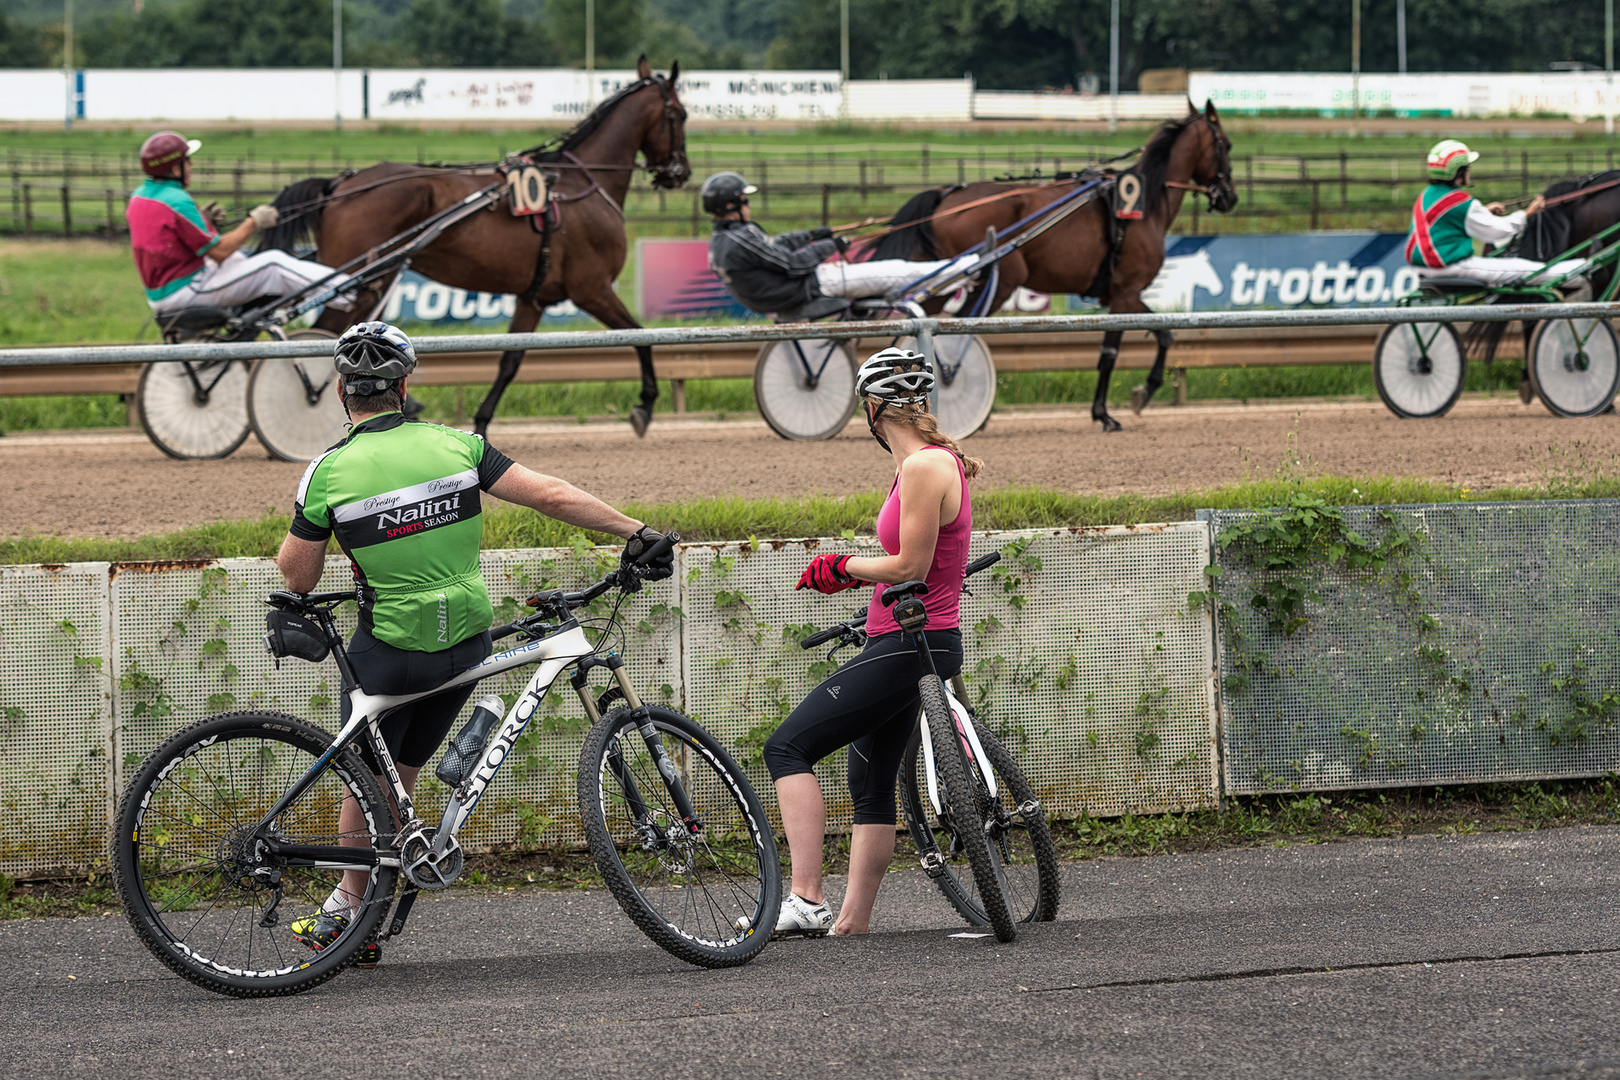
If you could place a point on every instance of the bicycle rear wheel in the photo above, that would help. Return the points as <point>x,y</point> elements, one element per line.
<point>806,389</point>
<point>972,811</point>
<point>1021,838</point>
<point>708,894</point>
<point>194,410</point>
<point>294,405</point>
<point>187,873</point>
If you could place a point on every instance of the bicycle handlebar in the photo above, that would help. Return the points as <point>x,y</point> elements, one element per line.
<point>821,637</point>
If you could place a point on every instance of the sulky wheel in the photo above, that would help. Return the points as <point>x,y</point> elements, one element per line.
<point>967,384</point>
<point>806,388</point>
<point>194,409</point>
<point>1575,366</point>
<point>293,404</point>
<point>1419,368</point>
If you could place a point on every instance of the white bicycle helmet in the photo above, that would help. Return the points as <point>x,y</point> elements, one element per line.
<point>896,377</point>
<point>372,356</point>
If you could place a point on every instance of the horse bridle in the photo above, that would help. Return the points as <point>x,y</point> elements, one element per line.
<point>1223,167</point>
<point>674,170</point>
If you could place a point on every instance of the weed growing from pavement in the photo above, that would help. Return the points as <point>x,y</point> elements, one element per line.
<point>1260,821</point>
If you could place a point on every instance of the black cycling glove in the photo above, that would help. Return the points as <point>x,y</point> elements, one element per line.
<point>661,566</point>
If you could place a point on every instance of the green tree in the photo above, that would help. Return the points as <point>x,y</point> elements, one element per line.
<point>455,33</point>
<point>619,31</point>
<point>20,45</point>
<point>214,33</point>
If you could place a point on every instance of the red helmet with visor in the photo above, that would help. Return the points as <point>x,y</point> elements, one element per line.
<point>162,151</point>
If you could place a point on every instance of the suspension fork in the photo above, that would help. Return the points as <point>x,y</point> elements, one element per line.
<point>641,716</point>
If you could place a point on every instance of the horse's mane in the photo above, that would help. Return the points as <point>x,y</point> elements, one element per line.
<point>552,149</point>
<point>1155,159</point>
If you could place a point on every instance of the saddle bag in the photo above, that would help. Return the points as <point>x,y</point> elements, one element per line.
<point>287,634</point>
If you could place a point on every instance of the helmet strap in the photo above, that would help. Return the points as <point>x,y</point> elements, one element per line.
<point>871,425</point>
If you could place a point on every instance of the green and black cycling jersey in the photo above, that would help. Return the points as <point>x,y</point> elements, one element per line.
<point>403,499</point>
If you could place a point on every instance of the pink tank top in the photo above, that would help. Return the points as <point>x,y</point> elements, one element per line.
<point>944,576</point>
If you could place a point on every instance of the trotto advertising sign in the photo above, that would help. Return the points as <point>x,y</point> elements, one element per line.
<point>1216,273</point>
<point>416,299</point>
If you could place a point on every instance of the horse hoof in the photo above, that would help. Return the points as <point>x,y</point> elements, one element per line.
<point>1139,399</point>
<point>1527,393</point>
<point>640,417</point>
<point>1108,423</point>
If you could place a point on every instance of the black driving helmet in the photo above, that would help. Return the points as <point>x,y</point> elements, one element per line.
<point>725,192</point>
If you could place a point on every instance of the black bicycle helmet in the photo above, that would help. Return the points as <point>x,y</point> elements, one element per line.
<point>373,356</point>
<point>725,192</point>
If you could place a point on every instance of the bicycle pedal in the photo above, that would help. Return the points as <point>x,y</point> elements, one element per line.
<point>933,864</point>
<point>368,955</point>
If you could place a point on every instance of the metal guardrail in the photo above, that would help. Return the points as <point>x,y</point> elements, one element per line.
<point>920,328</point>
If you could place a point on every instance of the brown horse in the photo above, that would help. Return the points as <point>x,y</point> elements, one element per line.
<point>496,252</point>
<point>1081,254</point>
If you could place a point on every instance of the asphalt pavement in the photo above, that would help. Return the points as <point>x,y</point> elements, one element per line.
<point>1471,956</point>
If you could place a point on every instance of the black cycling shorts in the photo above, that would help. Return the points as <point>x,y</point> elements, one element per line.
<point>869,705</point>
<point>413,732</point>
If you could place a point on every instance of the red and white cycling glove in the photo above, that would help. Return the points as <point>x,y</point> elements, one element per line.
<point>825,574</point>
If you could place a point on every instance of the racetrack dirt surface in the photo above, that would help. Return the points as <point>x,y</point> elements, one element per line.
<point>116,484</point>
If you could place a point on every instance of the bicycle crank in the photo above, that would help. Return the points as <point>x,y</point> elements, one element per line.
<point>427,868</point>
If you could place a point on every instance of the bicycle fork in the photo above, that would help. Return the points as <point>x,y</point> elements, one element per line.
<point>641,716</point>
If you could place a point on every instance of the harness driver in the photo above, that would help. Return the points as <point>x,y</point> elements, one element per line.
<point>1446,221</point>
<point>787,274</point>
<point>183,258</point>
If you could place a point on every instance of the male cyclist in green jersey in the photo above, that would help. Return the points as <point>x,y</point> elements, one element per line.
<point>403,500</point>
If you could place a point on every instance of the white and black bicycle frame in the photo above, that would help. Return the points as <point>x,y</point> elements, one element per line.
<point>432,859</point>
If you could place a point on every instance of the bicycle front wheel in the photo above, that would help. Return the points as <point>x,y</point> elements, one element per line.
<point>196,889</point>
<point>707,890</point>
<point>294,405</point>
<point>972,811</point>
<point>1021,838</point>
<point>194,410</point>
<point>805,389</point>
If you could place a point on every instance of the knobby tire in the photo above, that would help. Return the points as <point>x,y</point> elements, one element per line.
<point>961,796</point>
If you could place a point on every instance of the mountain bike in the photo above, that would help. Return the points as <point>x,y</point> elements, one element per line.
<point>979,828</point>
<point>235,819</point>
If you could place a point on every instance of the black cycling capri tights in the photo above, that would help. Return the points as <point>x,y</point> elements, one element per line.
<point>413,732</point>
<point>869,705</point>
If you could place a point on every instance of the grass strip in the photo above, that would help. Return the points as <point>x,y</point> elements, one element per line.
<point>1267,820</point>
<point>723,519</point>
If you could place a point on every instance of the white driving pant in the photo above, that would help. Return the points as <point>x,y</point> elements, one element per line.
<point>239,278</point>
<point>1500,271</point>
<point>879,278</point>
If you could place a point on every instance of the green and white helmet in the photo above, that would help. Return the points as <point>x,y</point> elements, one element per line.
<point>1449,157</point>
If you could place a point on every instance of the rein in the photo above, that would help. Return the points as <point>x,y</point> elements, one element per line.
<point>1568,196</point>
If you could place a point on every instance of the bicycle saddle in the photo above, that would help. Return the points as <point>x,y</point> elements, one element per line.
<point>902,591</point>
<point>820,308</point>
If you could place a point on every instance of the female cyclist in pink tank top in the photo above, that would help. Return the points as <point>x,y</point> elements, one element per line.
<point>870,704</point>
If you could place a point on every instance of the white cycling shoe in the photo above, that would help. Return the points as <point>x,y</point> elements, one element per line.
<point>800,916</point>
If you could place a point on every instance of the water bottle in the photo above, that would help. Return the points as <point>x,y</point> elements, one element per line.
<point>467,748</point>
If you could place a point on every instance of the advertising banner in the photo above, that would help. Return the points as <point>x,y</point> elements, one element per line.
<point>1576,94</point>
<point>1333,269</point>
<point>416,299</point>
<point>564,95</point>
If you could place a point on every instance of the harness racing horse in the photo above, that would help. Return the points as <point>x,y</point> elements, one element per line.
<point>1084,253</point>
<point>577,258</point>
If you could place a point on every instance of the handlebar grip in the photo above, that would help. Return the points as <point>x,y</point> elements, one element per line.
<point>504,630</point>
<point>670,540</point>
<point>821,636</point>
<point>983,563</point>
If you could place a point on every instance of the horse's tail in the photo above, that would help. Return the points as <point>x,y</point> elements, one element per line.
<point>911,231</point>
<point>300,204</point>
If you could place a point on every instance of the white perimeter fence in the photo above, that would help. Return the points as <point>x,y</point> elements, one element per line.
<point>1487,652</point>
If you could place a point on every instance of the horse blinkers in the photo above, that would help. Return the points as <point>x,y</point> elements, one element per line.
<point>674,170</point>
<point>1222,189</point>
